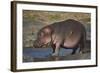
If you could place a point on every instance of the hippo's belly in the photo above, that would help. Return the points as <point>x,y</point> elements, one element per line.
<point>72,40</point>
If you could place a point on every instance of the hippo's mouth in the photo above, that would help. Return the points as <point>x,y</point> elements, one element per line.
<point>46,45</point>
<point>41,45</point>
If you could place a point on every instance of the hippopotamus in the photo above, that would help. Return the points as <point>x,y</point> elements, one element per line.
<point>65,34</point>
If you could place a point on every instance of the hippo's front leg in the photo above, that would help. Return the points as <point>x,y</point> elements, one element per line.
<point>56,49</point>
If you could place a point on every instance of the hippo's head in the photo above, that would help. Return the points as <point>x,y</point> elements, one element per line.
<point>43,37</point>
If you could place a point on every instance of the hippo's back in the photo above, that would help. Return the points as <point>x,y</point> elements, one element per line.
<point>69,31</point>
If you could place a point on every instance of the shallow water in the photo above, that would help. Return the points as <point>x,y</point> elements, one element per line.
<point>44,54</point>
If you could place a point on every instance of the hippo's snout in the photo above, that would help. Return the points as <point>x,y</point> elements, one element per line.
<point>37,44</point>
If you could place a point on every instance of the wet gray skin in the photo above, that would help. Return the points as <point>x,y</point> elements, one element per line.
<point>67,34</point>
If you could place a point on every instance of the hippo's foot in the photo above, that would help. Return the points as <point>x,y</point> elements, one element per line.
<point>55,54</point>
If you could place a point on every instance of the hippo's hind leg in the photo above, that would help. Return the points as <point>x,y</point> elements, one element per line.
<point>81,51</point>
<point>82,46</point>
<point>74,51</point>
